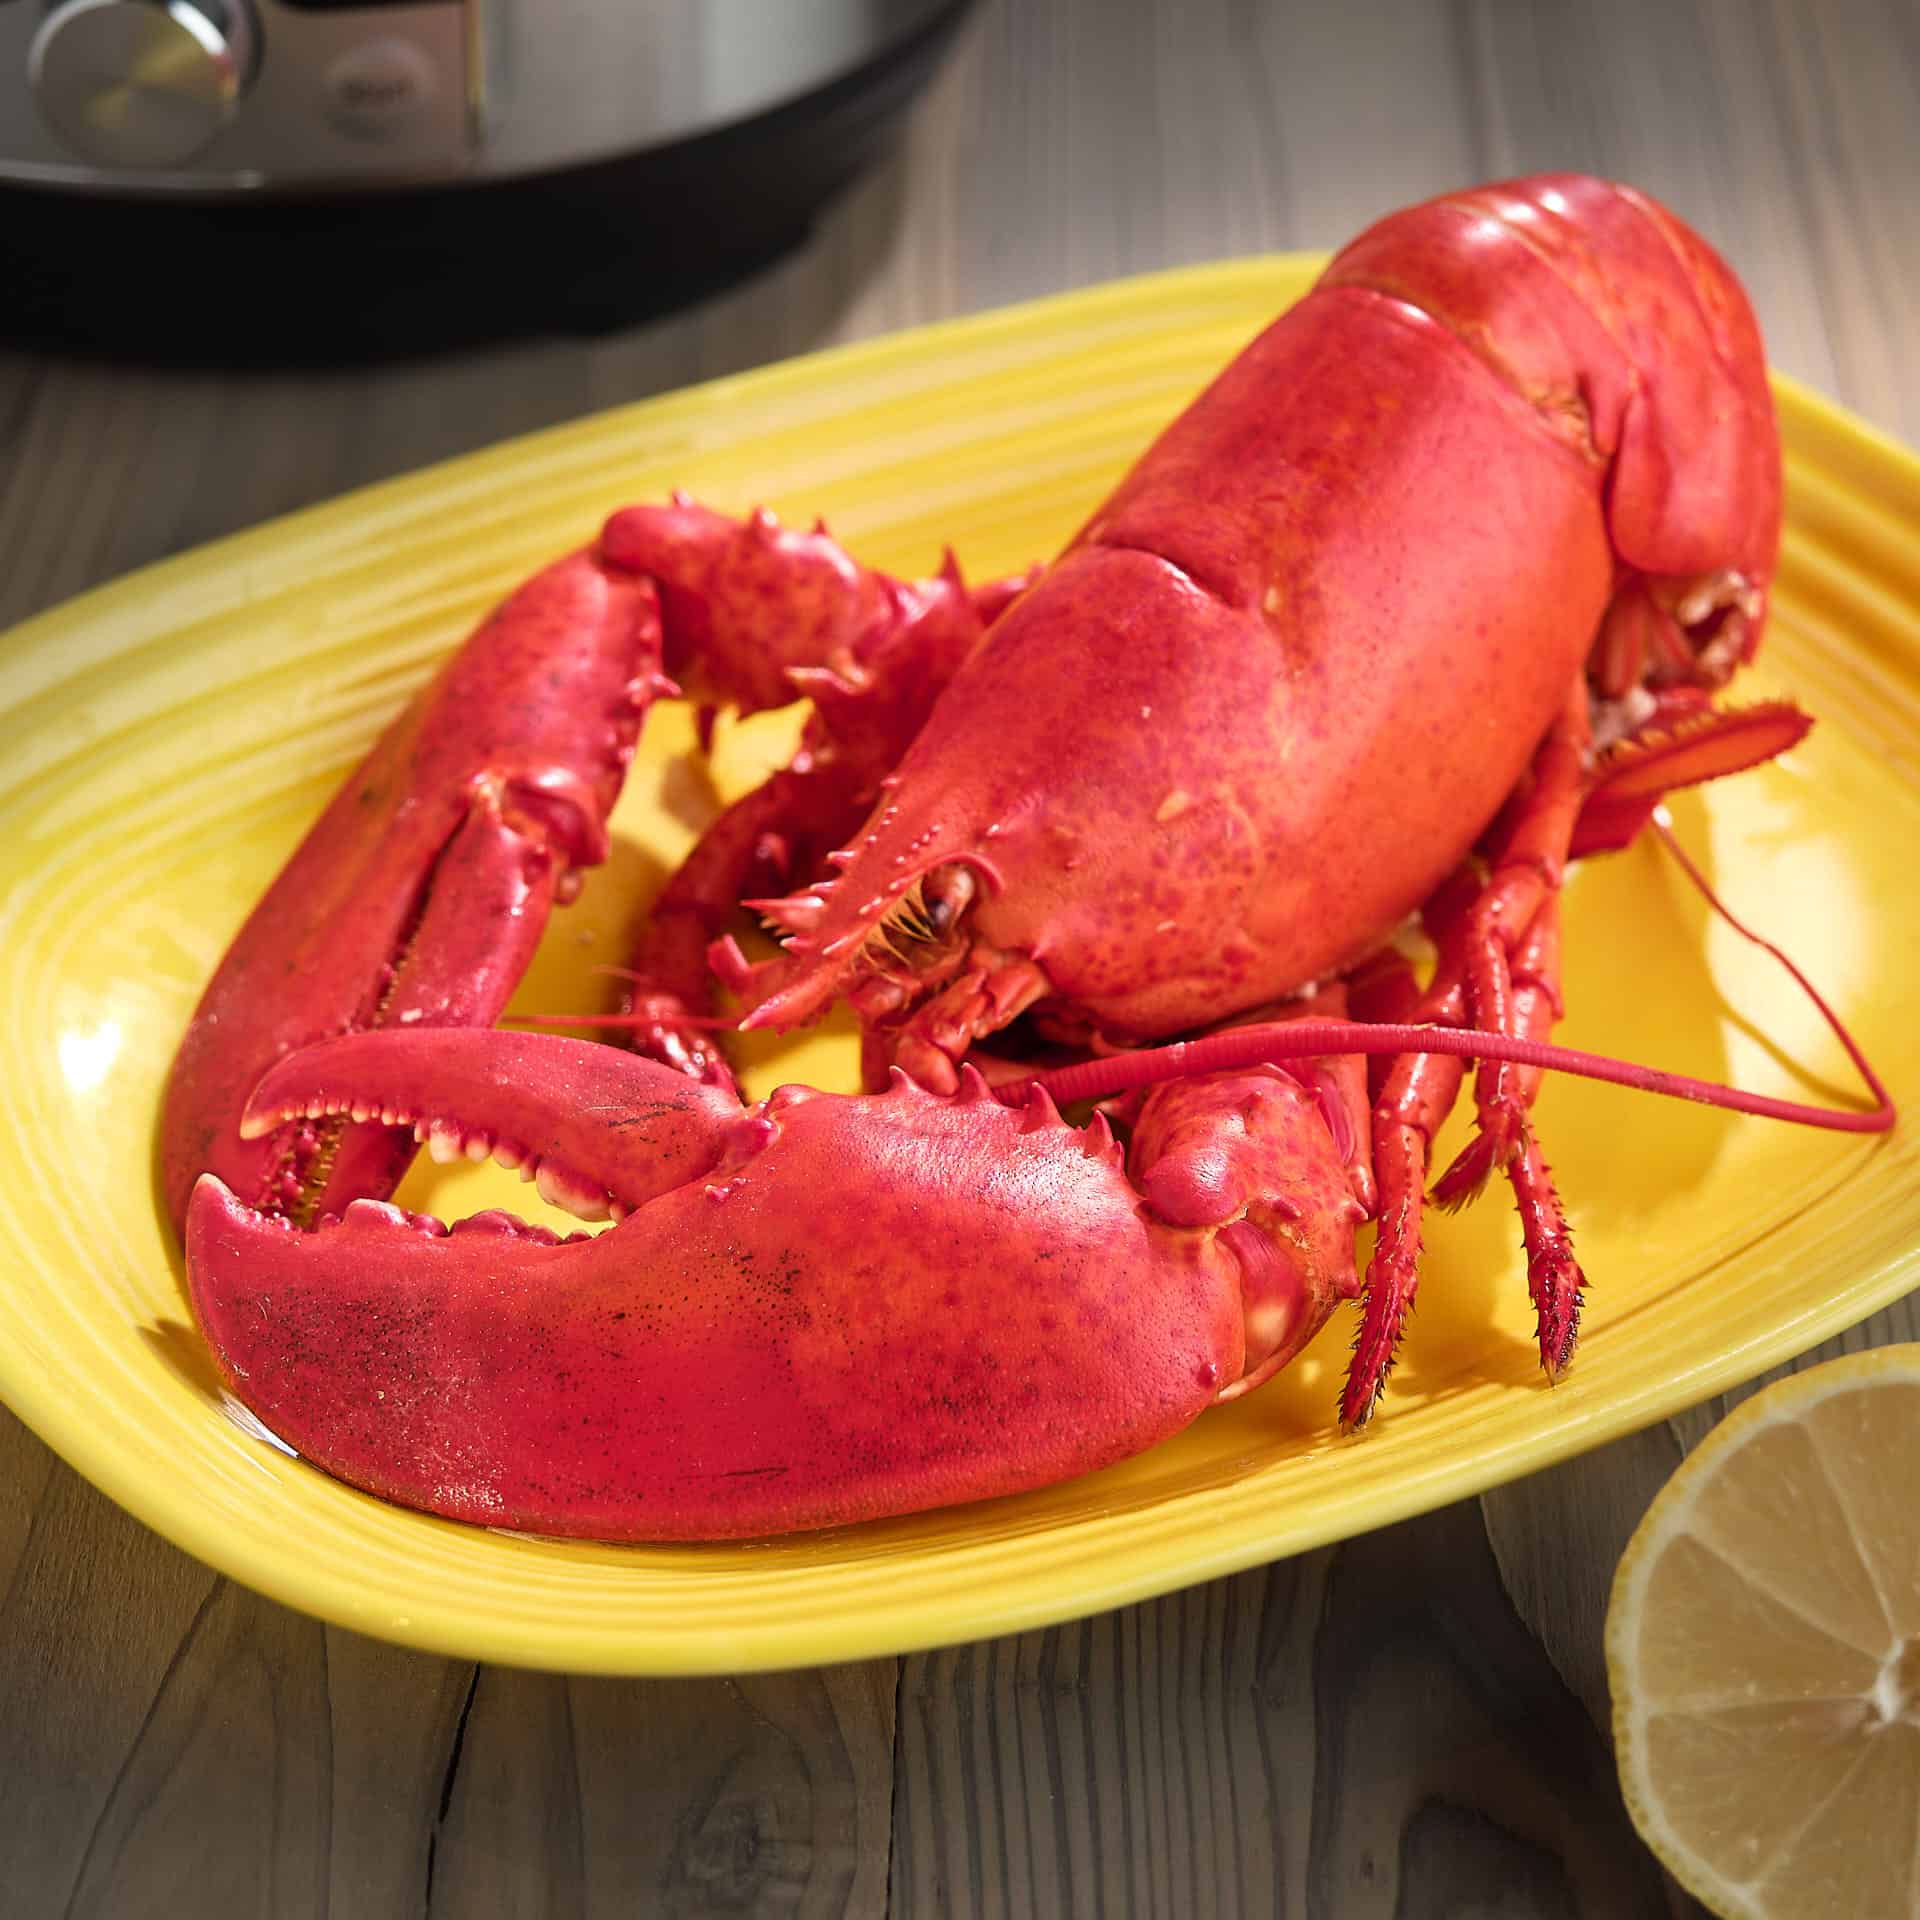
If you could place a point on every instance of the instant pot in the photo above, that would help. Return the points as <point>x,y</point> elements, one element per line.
<point>250,178</point>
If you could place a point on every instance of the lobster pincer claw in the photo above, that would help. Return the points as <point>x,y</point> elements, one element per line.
<point>994,1307</point>
<point>418,897</point>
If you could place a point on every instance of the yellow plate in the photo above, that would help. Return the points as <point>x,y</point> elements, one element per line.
<point>170,736</point>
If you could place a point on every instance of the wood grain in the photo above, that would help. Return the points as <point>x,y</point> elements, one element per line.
<point>1413,1723</point>
<point>608,1797</point>
<point>1367,1730</point>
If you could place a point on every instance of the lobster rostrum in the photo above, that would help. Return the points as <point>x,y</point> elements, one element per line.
<point>1428,593</point>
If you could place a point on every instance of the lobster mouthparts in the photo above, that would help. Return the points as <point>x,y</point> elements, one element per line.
<point>989,1307</point>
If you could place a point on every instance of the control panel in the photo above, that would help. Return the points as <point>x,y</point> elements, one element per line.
<point>191,95</point>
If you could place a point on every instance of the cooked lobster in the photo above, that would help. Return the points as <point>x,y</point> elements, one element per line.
<point>1428,593</point>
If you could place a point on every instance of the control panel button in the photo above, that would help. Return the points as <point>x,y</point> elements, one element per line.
<point>140,83</point>
<point>375,90</point>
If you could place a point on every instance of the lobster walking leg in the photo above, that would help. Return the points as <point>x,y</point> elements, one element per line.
<point>1513,956</point>
<point>1554,1279</point>
<point>1499,970</point>
<point>1419,1094</point>
<point>1524,883</point>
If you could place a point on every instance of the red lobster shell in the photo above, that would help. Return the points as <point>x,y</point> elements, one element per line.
<point>1429,590</point>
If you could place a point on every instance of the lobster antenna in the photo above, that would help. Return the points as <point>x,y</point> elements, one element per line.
<point>1293,1039</point>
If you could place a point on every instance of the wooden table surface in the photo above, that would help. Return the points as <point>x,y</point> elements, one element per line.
<point>1414,1723</point>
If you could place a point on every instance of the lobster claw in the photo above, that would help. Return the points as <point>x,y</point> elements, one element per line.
<point>418,897</point>
<point>816,1310</point>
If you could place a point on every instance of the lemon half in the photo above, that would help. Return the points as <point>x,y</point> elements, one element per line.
<point>1763,1644</point>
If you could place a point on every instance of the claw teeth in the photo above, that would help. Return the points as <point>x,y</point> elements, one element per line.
<point>378,1214</point>
<point>494,1221</point>
<point>382,1216</point>
<point>1040,1111</point>
<point>450,1143</point>
<point>558,1188</point>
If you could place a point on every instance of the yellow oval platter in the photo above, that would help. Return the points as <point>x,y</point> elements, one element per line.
<point>171,735</point>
